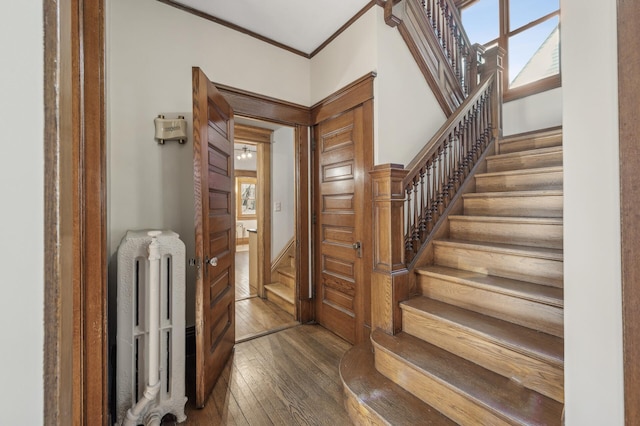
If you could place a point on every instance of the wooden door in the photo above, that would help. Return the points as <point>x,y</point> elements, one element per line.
<point>215,232</point>
<point>342,230</point>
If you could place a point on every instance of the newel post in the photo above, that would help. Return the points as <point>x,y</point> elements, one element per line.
<point>493,63</point>
<point>390,278</point>
<point>476,59</point>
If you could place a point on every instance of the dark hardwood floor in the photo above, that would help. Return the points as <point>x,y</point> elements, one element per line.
<point>285,378</point>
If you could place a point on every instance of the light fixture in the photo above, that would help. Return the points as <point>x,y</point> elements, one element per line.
<point>246,153</point>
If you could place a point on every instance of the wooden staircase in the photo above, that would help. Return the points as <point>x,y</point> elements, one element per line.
<point>282,291</point>
<point>482,341</point>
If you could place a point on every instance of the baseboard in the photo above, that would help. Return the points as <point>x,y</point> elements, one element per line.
<point>242,241</point>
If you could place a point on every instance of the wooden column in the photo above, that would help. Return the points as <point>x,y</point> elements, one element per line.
<point>476,59</point>
<point>390,279</point>
<point>493,60</point>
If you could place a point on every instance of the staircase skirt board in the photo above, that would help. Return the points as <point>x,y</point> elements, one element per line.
<point>462,390</point>
<point>506,349</point>
<point>534,232</point>
<point>544,157</point>
<point>371,398</point>
<point>517,203</point>
<point>517,302</point>
<point>536,265</point>
<point>520,180</point>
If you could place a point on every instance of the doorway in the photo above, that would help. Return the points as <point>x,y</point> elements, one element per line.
<point>265,228</point>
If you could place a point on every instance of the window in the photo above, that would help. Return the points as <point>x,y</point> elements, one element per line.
<point>246,197</point>
<point>528,30</point>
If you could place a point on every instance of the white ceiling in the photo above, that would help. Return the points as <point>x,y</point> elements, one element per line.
<point>301,24</point>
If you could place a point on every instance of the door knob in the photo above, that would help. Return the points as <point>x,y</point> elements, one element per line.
<point>213,261</point>
<point>358,247</point>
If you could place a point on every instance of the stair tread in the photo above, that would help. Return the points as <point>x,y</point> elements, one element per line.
<point>386,399</point>
<point>289,271</point>
<point>489,389</point>
<point>540,170</point>
<point>538,252</point>
<point>539,134</point>
<point>525,290</point>
<point>527,152</point>
<point>509,219</point>
<point>281,290</point>
<point>535,344</point>
<point>534,193</point>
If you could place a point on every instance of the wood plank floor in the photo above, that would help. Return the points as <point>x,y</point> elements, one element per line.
<point>256,317</point>
<point>243,290</point>
<point>286,378</point>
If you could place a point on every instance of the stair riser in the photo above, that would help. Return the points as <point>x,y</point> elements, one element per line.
<point>517,267</point>
<point>519,182</point>
<point>439,395</point>
<point>529,144</point>
<point>543,206</point>
<point>285,305</point>
<point>524,161</point>
<point>535,235</point>
<point>534,315</point>
<point>286,280</point>
<point>530,372</point>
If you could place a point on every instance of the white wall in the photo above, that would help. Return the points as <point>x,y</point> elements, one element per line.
<point>151,48</point>
<point>407,112</point>
<point>22,229</point>
<point>348,57</point>
<point>593,327</point>
<point>539,111</point>
<point>283,223</point>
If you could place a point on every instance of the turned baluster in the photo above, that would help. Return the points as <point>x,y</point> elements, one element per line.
<point>408,239</point>
<point>416,218</point>
<point>445,172</point>
<point>423,221</point>
<point>429,201</point>
<point>451,176</point>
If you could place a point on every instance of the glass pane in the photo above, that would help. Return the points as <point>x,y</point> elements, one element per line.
<point>521,12</point>
<point>535,53</point>
<point>481,21</point>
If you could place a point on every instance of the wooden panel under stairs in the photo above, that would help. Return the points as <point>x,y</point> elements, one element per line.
<point>520,180</point>
<point>532,264</point>
<point>516,203</point>
<point>462,390</point>
<point>528,357</point>
<point>527,231</point>
<point>281,295</point>
<point>535,306</point>
<point>532,159</point>
<point>372,399</point>
<point>544,139</point>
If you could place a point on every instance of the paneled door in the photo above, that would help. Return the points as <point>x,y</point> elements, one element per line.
<point>215,232</point>
<point>342,214</point>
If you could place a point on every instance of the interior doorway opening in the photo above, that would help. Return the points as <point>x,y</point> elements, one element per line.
<point>265,227</point>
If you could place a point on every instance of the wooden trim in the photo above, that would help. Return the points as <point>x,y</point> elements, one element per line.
<point>246,133</point>
<point>260,107</point>
<point>305,307</point>
<point>629,128</point>
<point>533,88</point>
<point>60,395</point>
<point>242,241</point>
<point>264,217</point>
<point>348,97</point>
<point>75,222</point>
<point>234,27</point>
<point>347,24</point>
<point>245,173</point>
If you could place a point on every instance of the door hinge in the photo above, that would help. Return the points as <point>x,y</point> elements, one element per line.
<point>195,262</point>
<point>313,218</point>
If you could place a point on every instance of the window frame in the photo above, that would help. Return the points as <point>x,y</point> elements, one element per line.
<point>505,33</point>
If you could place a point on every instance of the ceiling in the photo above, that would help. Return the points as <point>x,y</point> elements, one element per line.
<point>301,24</point>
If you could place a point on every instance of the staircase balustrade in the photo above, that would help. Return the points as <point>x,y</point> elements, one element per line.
<point>435,36</point>
<point>409,201</point>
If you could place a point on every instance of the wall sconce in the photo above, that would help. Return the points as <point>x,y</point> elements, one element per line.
<point>246,153</point>
<point>171,129</point>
